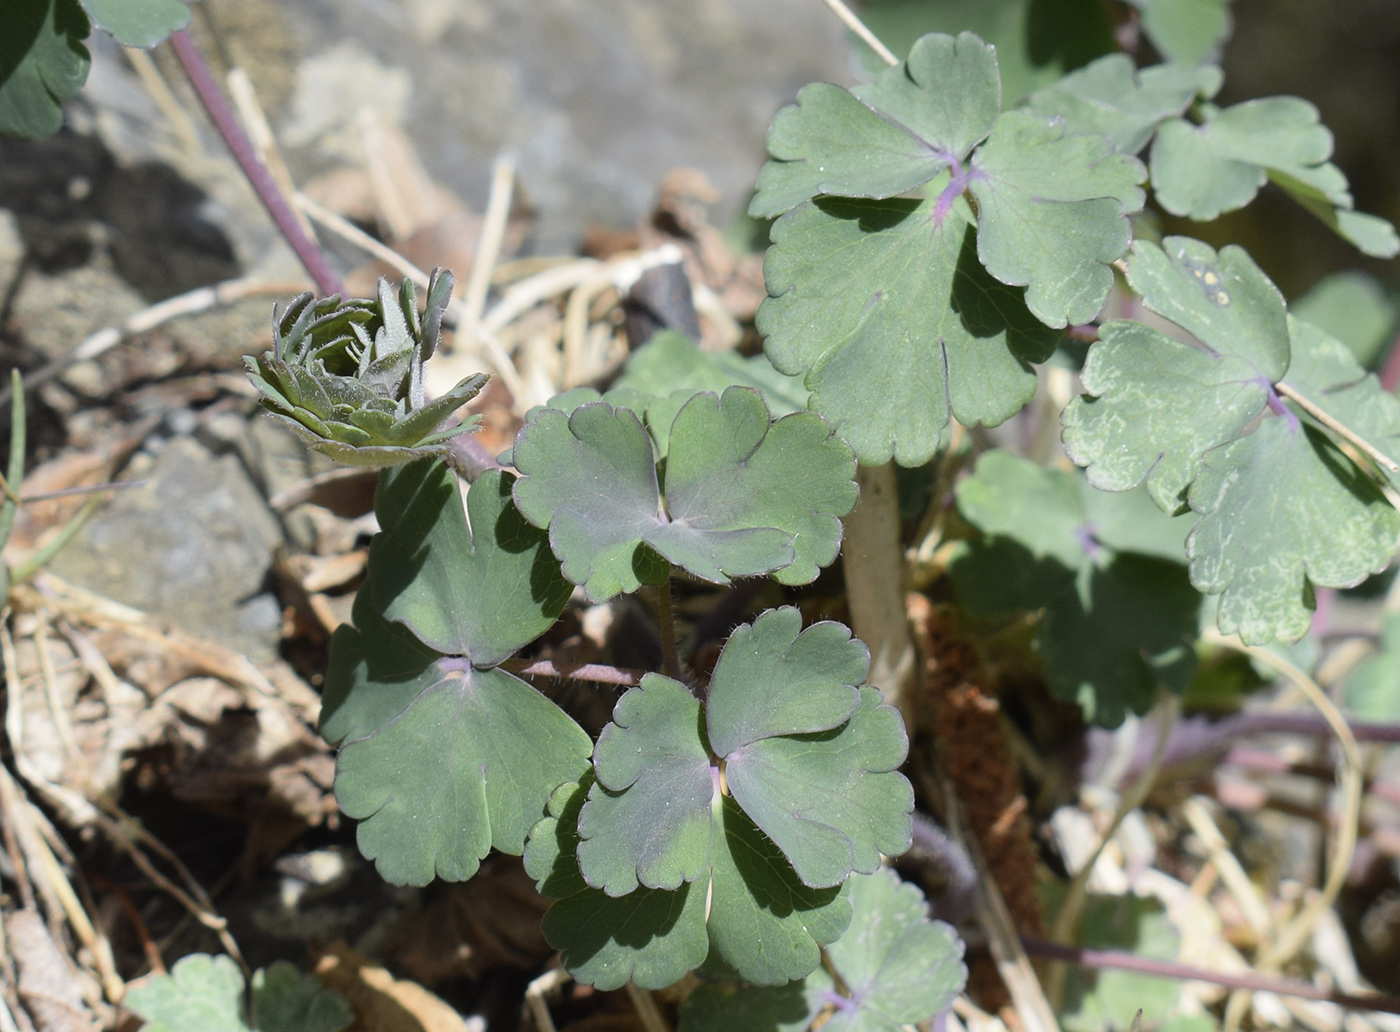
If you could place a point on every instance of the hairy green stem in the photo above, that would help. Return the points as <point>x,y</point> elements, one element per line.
<point>873,559</point>
<point>15,472</point>
<point>670,661</point>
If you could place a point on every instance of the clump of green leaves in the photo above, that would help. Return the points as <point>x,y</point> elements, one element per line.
<point>931,247</point>
<point>904,312</point>
<point>206,993</point>
<point>714,825</point>
<point>348,375</point>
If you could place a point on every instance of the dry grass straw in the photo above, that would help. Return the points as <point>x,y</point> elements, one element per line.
<point>1289,939</point>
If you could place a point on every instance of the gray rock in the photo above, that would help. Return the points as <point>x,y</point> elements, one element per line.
<point>194,544</point>
<point>597,99</point>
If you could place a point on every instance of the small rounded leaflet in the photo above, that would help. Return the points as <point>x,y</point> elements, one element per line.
<point>896,968</point>
<point>745,495</point>
<point>808,755</point>
<point>652,796</point>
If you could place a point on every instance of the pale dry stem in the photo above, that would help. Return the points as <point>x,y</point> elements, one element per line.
<point>849,19</point>
<point>647,1011</point>
<point>164,98</point>
<point>1295,933</point>
<point>255,124</point>
<point>1339,428</point>
<point>535,993</point>
<point>495,351</point>
<point>1014,966</point>
<point>493,231</point>
<point>1067,920</point>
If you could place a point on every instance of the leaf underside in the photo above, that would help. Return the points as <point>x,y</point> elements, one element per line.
<point>1108,569</point>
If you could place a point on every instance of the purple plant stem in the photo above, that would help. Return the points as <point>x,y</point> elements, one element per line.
<point>469,457</point>
<point>597,672</point>
<point>1260,761</point>
<point>1195,737</point>
<point>1122,961</point>
<point>327,282</point>
<point>1305,724</point>
<point>1390,371</point>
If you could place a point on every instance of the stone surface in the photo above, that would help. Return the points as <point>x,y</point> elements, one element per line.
<point>597,99</point>
<point>194,544</point>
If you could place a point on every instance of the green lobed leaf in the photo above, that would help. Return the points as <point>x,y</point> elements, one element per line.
<point>670,368</point>
<point>887,136</point>
<point>1189,31</point>
<point>1053,213</point>
<point>1052,207</point>
<point>725,1006</point>
<point>811,759</point>
<point>1372,690</point>
<point>481,592</point>
<point>139,23</point>
<point>53,67</point>
<point>24,20</point>
<point>832,801</point>
<point>1113,97</point>
<point>897,967</point>
<point>1157,404</point>
<point>286,1000</point>
<point>1037,41</point>
<point>376,670</point>
<point>774,678</point>
<point>201,992</point>
<point>764,922</point>
<point>744,495</point>
<point>1325,372</point>
<point>1283,509</point>
<point>206,993</point>
<point>1353,308</point>
<point>1124,628</point>
<point>1102,1001</point>
<point>467,766</point>
<point>1121,614</point>
<point>1370,234</point>
<point>816,773</point>
<point>442,756</point>
<point>1202,171</point>
<point>590,478</point>
<point>759,917</point>
<point>648,816</point>
<point>885,309</point>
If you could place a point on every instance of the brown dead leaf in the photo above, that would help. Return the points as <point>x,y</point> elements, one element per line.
<point>346,191</point>
<point>36,520</point>
<point>47,987</point>
<point>491,921</point>
<point>383,1003</point>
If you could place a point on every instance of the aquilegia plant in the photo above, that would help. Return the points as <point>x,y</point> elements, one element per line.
<point>929,249</point>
